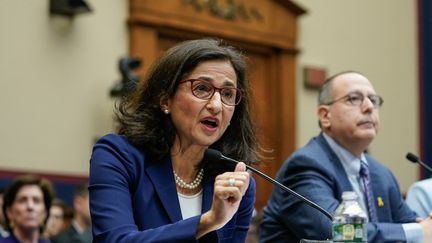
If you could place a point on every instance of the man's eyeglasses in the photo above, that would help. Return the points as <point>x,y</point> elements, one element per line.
<point>357,98</point>
<point>205,90</point>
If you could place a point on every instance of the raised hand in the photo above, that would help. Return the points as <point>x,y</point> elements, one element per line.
<point>229,189</point>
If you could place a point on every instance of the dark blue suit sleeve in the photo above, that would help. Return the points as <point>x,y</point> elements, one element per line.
<point>111,179</point>
<point>287,219</point>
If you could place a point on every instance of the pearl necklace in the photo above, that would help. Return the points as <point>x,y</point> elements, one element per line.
<point>194,184</point>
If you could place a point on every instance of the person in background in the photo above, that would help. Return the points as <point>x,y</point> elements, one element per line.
<point>80,229</point>
<point>334,162</point>
<point>3,232</point>
<point>26,208</point>
<point>149,183</point>
<point>56,219</point>
<point>253,233</point>
<point>68,217</point>
<point>419,197</point>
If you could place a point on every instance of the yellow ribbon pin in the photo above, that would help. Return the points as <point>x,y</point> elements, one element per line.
<point>380,202</point>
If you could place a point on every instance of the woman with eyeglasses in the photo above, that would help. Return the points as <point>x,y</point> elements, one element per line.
<point>149,183</point>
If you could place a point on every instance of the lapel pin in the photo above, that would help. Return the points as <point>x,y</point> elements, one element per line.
<point>380,202</point>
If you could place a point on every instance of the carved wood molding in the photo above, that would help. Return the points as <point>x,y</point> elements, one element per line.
<point>266,22</point>
<point>229,10</point>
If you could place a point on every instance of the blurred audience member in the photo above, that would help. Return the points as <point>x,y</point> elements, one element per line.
<point>419,198</point>
<point>253,232</point>
<point>68,217</point>
<point>79,230</point>
<point>3,232</point>
<point>56,219</point>
<point>25,207</point>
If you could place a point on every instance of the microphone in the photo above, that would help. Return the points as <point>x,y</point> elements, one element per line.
<point>413,158</point>
<point>212,155</point>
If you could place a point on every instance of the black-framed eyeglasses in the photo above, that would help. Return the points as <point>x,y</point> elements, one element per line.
<point>205,90</point>
<point>357,99</point>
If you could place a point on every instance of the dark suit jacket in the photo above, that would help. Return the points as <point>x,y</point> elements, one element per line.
<point>315,172</point>
<point>133,198</point>
<point>71,235</point>
<point>12,239</point>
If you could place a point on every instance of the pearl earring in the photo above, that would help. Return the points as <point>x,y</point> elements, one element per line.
<point>166,111</point>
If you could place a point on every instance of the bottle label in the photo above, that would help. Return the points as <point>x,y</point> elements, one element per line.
<point>349,233</point>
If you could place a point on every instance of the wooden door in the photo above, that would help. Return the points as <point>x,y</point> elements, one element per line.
<point>263,103</point>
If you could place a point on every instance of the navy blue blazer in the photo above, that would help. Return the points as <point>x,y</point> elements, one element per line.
<point>133,198</point>
<point>315,172</point>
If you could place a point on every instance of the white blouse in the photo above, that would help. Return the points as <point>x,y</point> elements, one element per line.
<point>190,205</point>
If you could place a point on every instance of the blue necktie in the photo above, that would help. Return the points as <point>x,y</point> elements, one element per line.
<point>365,178</point>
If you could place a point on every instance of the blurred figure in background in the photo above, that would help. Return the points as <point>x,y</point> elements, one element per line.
<point>79,230</point>
<point>68,217</point>
<point>419,197</point>
<point>3,232</point>
<point>56,219</point>
<point>26,203</point>
<point>253,232</point>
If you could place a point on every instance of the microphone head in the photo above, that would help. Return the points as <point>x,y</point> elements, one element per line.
<point>412,157</point>
<point>212,155</point>
<point>216,163</point>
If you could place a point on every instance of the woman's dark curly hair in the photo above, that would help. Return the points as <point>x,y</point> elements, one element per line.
<point>16,185</point>
<point>141,118</point>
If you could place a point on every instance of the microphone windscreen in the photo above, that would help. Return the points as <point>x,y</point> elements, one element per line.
<point>214,162</point>
<point>412,157</point>
<point>212,155</point>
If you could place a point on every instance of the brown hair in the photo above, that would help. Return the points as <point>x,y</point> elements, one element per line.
<point>24,180</point>
<point>142,121</point>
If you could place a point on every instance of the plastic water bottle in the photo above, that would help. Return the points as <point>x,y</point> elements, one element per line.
<point>350,221</point>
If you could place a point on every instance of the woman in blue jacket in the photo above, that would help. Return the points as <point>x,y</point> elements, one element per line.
<point>148,182</point>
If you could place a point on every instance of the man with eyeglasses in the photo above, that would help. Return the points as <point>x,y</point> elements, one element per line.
<point>335,161</point>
